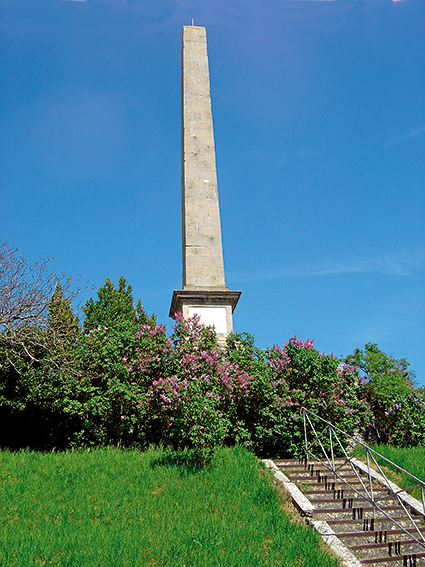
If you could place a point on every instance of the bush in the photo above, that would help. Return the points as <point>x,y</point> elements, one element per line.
<point>121,381</point>
<point>397,406</point>
<point>284,379</point>
<point>193,394</point>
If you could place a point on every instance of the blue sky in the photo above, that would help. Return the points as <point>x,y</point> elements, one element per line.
<point>319,121</point>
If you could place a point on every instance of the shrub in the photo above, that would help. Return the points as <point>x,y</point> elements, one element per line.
<point>398,407</point>
<point>122,381</point>
<point>187,387</point>
<point>284,379</point>
<point>193,394</point>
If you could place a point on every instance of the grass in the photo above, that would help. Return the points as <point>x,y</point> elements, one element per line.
<point>411,459</point>
<point>113,508</point>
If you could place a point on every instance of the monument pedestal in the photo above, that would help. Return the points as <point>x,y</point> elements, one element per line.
<point>214,307</point>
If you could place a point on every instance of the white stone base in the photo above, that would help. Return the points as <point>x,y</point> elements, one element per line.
<point>212,317</point>
<point>214,307</point>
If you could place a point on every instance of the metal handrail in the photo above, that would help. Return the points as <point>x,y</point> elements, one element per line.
<point>368,495</point>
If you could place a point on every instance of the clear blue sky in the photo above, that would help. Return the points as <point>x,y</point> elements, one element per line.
<point>319,117</point>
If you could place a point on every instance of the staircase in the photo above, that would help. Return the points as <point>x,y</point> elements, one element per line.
<point>390,532</point>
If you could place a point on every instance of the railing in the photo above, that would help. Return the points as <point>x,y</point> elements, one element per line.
<point>331,440</point>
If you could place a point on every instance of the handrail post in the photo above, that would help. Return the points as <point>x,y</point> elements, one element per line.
<point>332,450</point>
<point>305,436</point>
<point>370,482</point>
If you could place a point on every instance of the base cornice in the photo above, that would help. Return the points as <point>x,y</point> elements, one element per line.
<point>203,298</point>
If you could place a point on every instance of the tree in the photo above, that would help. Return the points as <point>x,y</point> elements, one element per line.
<point>38,366</point>
<point>389,384</point>
<point>114,304</point>
<point>387,376</point>
<point>61,321</point>
<point>110,328</point>
<point>25,293</point>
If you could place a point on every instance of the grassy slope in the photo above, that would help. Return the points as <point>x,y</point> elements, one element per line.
<point>116,508</point>
<point>410,458</point>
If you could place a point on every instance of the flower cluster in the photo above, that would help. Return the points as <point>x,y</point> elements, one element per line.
<point>308,344</point>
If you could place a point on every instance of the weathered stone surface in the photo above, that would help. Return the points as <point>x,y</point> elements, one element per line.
<point>203,266</point>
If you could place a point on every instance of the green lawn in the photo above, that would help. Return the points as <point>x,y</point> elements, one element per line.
<point>112,508</point>
<point>411,459</point>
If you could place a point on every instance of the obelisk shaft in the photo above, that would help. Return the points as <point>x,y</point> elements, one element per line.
<point>203,267</point>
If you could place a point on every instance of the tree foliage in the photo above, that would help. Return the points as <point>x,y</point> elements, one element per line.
<point>38,333</point>
<point>119,379</point>
<point>26,293</point>
<point>114,305</point>
<point>397,406</point>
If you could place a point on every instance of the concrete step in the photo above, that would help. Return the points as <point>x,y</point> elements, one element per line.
<point>379,536</point>
<point>388,549</point>
<point>405,560</point>
<point>368,524</point>
<point>339,493</point>
<point>359,509</point>
<point>354,501</point>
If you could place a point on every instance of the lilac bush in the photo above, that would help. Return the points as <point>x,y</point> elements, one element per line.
<point>289,377</point>
<point>189,388</point>
<point>188,392</point>
<point>397,405</point>
<point>405,420</point>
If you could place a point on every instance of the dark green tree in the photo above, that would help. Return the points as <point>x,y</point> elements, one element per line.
<point>389,383</point>
<point>39,385</point>
<point>61,321</point>
<point>114,304</point>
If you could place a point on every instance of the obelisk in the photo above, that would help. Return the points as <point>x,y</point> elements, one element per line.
<point>204,290</point>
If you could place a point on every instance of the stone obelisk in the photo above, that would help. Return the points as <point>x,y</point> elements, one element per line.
<point>204,290</point>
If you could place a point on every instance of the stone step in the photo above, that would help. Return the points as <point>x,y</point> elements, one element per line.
<point>346,471</point>
<point>406,560</point>
<point>381,536</point>
<point>363,515</point>
<point>388,549</point>
<point>368,524</point>
<point>337,460</point>
<point>353,484</point>
<point>320,472</point>
<point>325,479</point>
<point>358,507</point>
<point>340,493</point>
<point>347,501</point>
